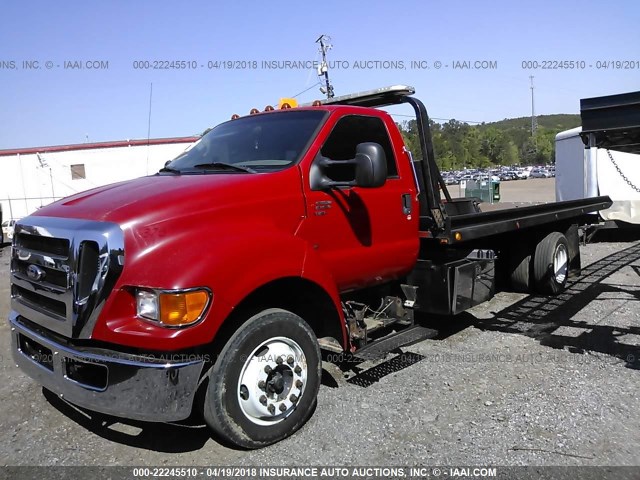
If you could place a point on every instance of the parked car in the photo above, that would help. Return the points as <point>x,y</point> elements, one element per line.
<point>508,175</point>
<point>7,230</point>
<point>539,173</point>
<point>450,180</point>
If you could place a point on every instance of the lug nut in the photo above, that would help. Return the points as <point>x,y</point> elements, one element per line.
<point>244,392</point>
<point>263,399</point>
<point>290,360</point>
<point>267,369</point>
<point>262,385</point>
<point>272,409</point>
<point>299,383</point>
<point>293,398</point>
<point>283,407</point>
<point>279,360</point>
<point>298,370</point>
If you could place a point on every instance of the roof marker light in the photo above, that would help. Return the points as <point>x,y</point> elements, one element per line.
<point>254,111</point>
<point>287,103</point>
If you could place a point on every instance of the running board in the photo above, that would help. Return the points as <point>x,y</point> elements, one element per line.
<point>379,348</point>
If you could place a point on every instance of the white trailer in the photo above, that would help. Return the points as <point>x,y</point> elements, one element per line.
<point>603,156</point>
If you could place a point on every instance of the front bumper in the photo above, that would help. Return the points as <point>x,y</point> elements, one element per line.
<point>130,386</point>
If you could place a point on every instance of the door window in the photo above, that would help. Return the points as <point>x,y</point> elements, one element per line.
<point>345,137</point>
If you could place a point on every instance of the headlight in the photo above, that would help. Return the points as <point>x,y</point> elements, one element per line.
<point>147,304</point>
<point>172,308</point>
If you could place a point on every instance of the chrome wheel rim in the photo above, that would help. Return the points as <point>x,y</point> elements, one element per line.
<point>272,381</point>
<point>560,263</point>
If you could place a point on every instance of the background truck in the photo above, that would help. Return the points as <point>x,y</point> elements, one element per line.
<point>214,284</point>
<point>602,157</point>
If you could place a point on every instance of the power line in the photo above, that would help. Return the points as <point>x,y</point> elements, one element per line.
<point>306,89</point>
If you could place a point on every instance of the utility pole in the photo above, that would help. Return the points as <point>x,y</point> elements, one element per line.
<point>44,164</point>
<point>323,68</point>
<point>534,123</point>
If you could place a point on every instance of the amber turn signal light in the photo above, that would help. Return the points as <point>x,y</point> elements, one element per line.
<point>184,308</point>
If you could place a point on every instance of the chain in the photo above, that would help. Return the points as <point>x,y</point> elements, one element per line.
<point>624,177</point>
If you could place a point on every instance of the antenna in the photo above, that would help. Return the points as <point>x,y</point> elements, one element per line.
<point>323,68</point>
<point>534,123</point>
<point>149,125</point>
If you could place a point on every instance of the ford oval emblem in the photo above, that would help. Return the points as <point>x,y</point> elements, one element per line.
<point>34,272</point>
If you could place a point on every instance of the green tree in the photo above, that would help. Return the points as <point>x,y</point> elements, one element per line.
<point>458,145</point>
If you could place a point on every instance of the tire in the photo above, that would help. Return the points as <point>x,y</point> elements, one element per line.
<point>551,264</point>
<point>241,388</point>
<point>520,268</point>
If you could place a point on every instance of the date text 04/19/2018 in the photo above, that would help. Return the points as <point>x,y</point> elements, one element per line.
<point>580,64</point>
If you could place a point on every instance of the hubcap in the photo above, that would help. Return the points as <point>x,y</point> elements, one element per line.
<point>272,380</point>
<point>560,263</point>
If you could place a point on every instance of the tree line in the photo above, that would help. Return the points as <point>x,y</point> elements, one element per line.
<point>458,145</point>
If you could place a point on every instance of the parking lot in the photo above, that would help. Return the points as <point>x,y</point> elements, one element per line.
<point>520,380</point>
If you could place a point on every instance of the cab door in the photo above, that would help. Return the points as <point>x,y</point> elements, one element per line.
<point>363,236</point>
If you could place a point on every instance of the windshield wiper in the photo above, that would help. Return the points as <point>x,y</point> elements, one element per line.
<point>170,170</point>
<point>225,166</point>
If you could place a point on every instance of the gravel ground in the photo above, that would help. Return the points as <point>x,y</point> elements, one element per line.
<point>520,380</point>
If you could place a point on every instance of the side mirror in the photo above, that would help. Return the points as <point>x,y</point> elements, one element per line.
<point>370,165</point>
<point>167,163</point>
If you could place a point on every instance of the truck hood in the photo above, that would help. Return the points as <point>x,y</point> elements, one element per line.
<point>163,198</point>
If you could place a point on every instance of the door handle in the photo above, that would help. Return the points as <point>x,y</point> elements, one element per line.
<point>406,203</point>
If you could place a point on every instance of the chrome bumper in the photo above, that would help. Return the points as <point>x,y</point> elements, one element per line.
<point>114,383</point>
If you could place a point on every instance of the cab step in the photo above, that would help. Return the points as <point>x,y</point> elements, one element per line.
<point>378,349</point>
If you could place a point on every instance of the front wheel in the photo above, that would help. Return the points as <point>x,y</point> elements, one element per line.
<point>263,386</point>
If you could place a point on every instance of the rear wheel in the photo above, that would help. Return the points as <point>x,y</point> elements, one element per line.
<point>520,268</point>
<point>263,386</point>
<point>551,263</point>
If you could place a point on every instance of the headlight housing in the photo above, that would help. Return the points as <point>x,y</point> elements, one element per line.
<point>173,308</point>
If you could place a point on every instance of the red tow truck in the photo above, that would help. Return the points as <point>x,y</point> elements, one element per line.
<point>214,284</point>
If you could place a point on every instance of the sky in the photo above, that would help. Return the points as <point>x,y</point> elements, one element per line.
<point>374,43</point>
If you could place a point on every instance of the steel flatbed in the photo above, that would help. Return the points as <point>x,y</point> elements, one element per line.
<point>473,226</point>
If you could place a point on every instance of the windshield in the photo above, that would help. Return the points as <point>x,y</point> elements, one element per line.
<point>254,144</point>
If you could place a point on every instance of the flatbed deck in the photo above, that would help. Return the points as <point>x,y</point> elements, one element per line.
<point>473,226</point>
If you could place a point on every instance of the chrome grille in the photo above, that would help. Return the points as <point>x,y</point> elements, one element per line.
<point>55,277</point>
<point>62,270</point>
<point>40,301</point>
<point>47,245</point>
